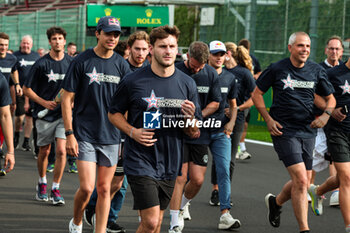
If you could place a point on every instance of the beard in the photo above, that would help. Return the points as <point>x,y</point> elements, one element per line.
<point>159,60</point>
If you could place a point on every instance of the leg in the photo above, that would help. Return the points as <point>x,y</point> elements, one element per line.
<point>103,187</point>
<point>235,137</point>
<point>149,220</point>
<point>60,160</point>
<point>343,171</point>
<point>179,187</point>
<point>196,173</point>
<point>42,159</point>
<point>28,126</point>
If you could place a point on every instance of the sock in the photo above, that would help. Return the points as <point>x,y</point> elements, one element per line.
<point>242,145</point>
<point>55,185</point>
<point>139,218</point>
<point>184,201</point>
<point>43,180</point>
<point>16,134</point>
<point>174,218</point>
<point>26,139</point>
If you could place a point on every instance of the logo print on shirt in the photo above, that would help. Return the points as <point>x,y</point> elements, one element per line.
<point>54,77</point>
<point>152,100</point>
<point>94,76</point>
<point>151,120</point>
<point>288,82</point>
<point>26,63</point>
<point>345,87</point>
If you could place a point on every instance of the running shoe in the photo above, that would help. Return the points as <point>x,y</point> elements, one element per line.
<point>181,221</point>
<point>15,141</point>
<point>186,213</point>
<point>334,199</point>
<point>74,228</point>
<point>274,211</point>
<point>227,222</point>
<point>214,199</point>
<point>113,227</point>
<point>73,168</point>
<point>26,146</point>
<point>88,214</point>
<point>175,229</point>
<point>41,194</point>
<point>316,200</point>
<point>56,197</point>
<point>50,167</point>
<point>2,172</point>
<point>243,155</point>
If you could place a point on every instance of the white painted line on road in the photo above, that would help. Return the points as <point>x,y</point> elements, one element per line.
<point>259,142</point>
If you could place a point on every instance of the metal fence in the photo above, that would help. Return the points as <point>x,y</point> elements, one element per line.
<point>36,24</point>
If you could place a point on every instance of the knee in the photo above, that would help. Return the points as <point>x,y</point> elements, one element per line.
<point>181,180</point>
<point>150,224</point>
<point>86,191</point>
<point>301,182</point>
<point>344,180</point>
<point>197,181</point>
<point>103,190</point>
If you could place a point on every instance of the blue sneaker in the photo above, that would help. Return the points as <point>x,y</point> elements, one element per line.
<point>56,197</point>
<point>41,194</point>
<point>2,172</point>
<point>50,167</point>
<point>73,168</point>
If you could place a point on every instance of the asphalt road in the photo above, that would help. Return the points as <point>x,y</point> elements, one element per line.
<point>253,179</point>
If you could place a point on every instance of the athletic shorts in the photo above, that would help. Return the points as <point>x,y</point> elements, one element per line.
<point>49,131</point>
<point>339,146</point>
<point>149,192</point>
<point>103,155</point>
<point>196,153</point>
<point>20,106</point>
<point>247,115</point>
<point>293,150</point>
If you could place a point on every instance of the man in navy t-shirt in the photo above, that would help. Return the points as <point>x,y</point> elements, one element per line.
<point>138,45</point>
<point>196,150</point>
<point>291,121</point>
<point>42,86</point>
<point>160,101</point>
<point>6,125</point>
<point>25,60</point>
<point>338,136</point>
<point>92,79</point>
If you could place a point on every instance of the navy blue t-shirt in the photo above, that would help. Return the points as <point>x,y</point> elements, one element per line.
<point>293,94</point>
<point>45,79</point>
<point>228,88</point>
<point>5,98</point>
<point>256,64</point>
<point>339,76</point>
<point>208,89</point>
<point>94,80</point>
<point>153,101</point>
<point>24,63</point>
<point>8,66</point>
<point>245,86</point>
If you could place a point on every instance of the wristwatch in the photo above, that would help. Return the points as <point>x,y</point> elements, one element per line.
<point>328,112</point>
<point>69,132</point>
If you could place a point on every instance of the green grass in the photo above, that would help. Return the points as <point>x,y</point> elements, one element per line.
<point>258,132</point>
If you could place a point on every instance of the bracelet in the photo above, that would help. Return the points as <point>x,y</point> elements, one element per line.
<point>10,153</point>
<point>69,132</point>
<point>131,132</point>
<point>16,84</point>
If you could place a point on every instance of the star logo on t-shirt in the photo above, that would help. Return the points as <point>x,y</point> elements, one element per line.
<point>345,87</point>
<point>288,82</point>
<point>23,62</point>
<point>52,76</point>
<point>94,76</point>
<point>152,100</point>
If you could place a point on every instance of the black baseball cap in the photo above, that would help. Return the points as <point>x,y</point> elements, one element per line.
<point>108,24</point>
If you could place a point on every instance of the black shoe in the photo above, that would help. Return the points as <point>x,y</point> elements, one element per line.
<point>25,146</point>
<point>88,214</point>
<point>214,199</point>
<point>274,211</point>
<point>15,141</point>
<point>113,227</point>
<point>2,155</point>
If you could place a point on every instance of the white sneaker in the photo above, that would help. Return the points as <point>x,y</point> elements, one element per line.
<point>316,200</point>
<point>181,221</point>
<point>227,222</point>
<point>175,230</point>
<point>74,228</point>
<point>237,155</point>
<point>243,155</point>
<point>334,199</point>
<point>186,213</point>
<point>309,198</point>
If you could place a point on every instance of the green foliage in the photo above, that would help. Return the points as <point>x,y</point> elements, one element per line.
<point>185,20</point>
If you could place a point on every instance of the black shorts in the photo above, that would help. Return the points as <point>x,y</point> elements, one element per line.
<point>293,150</point>
<point>339,146</point>
<point>20,106</point>
<point>196,153</point>
<point>247,115</point>
<point>149,192</point>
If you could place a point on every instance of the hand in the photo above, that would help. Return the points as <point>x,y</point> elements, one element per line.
<point>143,136</point>
<point>320,121</point>
<point>9,162</point>
<point>72,146</point>
<point>228,128</point>
<point>51,105</point>
<point>273,127</point>
<point>227,112</point>
<point>19,90</point>
<point>188,109</point>
<point>338,115</point>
